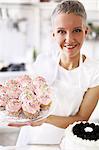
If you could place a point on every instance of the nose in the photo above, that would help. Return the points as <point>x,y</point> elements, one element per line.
<point>68,37</point>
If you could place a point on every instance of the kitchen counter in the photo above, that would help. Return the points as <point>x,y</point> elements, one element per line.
<point>32,147</point>
<point>11,75</point>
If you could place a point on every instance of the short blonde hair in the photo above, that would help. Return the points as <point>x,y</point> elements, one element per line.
<point>69,6</point>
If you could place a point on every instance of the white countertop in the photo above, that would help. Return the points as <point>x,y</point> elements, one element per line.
<point>11,75</point>
<point>32,147</point>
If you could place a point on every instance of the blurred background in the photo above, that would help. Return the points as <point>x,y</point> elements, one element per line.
<point>25,31</point>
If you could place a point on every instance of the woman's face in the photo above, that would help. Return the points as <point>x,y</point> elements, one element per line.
<point>69,31</point>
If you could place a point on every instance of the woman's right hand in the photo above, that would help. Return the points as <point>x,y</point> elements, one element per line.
<point>29,123</point>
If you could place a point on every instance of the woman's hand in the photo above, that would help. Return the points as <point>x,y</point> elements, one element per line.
<point>29,123</point>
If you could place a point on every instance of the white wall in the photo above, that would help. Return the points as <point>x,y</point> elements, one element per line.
<point>14,44</point>
<point>91,49</point>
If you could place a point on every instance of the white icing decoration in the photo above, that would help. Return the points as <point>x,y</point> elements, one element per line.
<point>88,129</point>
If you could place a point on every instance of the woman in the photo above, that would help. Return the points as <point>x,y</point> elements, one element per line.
<point>74,77</point>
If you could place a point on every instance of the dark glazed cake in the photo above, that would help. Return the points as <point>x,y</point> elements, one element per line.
<point>88,131</point>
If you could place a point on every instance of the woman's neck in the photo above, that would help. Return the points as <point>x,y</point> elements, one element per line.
<point>70,63</point>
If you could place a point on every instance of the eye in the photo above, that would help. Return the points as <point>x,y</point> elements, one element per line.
<point>61,32</point>
<point>77,30</point>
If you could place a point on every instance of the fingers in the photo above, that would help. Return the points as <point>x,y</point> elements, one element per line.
<point>29,123</point>
<point>22,124</point>
<point>18,124</point>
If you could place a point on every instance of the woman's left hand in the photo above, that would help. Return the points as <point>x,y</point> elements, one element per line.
<point>29,123</point>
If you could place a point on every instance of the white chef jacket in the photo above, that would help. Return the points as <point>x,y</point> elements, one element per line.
<point>69,87</point>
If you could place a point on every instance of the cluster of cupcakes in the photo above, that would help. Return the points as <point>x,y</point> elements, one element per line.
<point>24,95</point>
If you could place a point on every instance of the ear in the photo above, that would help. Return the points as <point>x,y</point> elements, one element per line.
<point>53,34</point>
<point>86,31</point>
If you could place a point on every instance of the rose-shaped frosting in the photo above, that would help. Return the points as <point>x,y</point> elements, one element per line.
<point>12,88</point>
<point>27,95</point>
<point>41,85</point>
<point>31,106</point>
<point>13,105</point>
<point>26,82</point>
<point>3,95</point>
<point>45,100</point>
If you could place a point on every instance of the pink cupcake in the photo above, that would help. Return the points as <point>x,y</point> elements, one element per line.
<point>43,92</point>
<point>31,109</point>
<point>30,104</point>
<point>27,95</point>
<point>45,102</point>
<point>25,82</point>
<point>14,107</point>
<point>12,88</point>
<point>25,78</point>
<point>3,97</point>
<point>2,103</point>
<point>39,81</point>
<point>41,86</point>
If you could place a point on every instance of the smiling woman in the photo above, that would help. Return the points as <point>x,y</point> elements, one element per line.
<point>73,76</point>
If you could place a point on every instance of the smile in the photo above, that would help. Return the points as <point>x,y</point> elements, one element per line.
<point>70,46</point>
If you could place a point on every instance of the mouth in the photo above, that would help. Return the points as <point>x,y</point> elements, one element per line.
<point>70,46</point>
